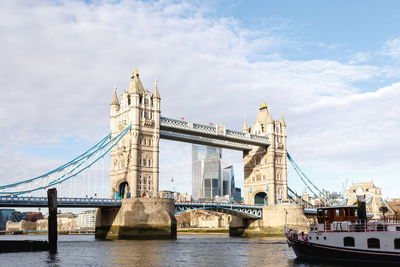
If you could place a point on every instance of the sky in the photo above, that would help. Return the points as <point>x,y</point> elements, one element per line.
<point>332,68</point>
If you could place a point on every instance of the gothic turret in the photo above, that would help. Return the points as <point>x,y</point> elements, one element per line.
<point>114,101</point>
<point>114,107</point>
<point>245,127</point>
<point>269,118</point>
<point>156,94</point>
<point>283,120</point>
<point>135,86</point>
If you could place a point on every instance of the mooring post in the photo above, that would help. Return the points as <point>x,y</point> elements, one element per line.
<point>52,220</point>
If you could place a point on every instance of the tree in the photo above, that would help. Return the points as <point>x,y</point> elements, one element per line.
<point>383,209</point>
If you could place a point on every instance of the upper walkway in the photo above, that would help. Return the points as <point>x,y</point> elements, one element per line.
<point>190,132</point>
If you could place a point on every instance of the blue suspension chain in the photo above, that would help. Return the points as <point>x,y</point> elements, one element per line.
<point>301,174</point>
<point>81,158</point>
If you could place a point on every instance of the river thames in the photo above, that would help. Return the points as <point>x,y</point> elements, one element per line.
<point>187,250</point>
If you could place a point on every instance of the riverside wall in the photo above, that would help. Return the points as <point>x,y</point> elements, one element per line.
<point>137,218</point>
<point>272,224</point>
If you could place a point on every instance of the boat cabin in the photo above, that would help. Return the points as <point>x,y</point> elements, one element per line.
<point>328,215</point>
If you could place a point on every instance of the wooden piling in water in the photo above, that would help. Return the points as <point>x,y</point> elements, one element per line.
<point>52,219</point>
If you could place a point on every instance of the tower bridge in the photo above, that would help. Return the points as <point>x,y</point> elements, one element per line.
<point>134,209</point>
<point>135,161</point>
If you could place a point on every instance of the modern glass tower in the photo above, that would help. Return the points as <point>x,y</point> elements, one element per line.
<point>211,176</point>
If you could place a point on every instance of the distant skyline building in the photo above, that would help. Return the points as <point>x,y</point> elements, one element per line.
<point>211,176</point>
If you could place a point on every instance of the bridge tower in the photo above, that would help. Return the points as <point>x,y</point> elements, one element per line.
<point>134,170</point>
<point>265,169</point>
<point>134,161</point>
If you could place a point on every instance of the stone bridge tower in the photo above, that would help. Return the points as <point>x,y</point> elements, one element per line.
<point>134,161</point>
<point>265,169</point>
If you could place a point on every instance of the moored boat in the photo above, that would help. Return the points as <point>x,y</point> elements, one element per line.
<point>344,234</point>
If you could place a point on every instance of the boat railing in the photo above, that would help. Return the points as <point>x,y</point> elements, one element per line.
<point>354,226</point>
<point>391,219</point>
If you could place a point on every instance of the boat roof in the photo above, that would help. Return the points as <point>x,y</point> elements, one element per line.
<point>337,207</point>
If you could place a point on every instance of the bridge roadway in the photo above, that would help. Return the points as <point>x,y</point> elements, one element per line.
<point>245,211</point>
<point>196,133</point>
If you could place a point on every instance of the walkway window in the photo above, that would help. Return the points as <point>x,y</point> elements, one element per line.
<point>397,243</point>
<point>373,243</point>
<point>348,241</point>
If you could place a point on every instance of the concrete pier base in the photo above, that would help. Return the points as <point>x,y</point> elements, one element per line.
<point>137,218</point>
<point>272,223</point>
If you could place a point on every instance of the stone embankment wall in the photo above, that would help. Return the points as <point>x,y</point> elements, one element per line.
<point>138,218</point>
<point>272,224</point>
<point>203,219</point>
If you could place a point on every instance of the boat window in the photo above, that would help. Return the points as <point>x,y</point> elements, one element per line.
<point>337,215</point>
<point>397,243</point>
<point>397,228</point>
<point>320,214</point>
<point>373,243</point>
<point>346,212</point>
<point>348,241</point>
<point>351,212</point>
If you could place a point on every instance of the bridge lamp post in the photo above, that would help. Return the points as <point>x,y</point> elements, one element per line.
<point>172,184</point>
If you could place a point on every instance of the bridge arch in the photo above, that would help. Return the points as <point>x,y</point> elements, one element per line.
<point>261,199</point>
<point>123,190</point>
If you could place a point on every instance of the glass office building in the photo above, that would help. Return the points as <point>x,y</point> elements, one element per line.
<point>211,176</point>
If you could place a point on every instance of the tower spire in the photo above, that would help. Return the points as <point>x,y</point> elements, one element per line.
<point>114,100</point>
<point>269,117</point>
<point>135,86</point>
<point>263,105</point>
<point>156,94</point>
<point>283,120</point>
<point>245,126</point>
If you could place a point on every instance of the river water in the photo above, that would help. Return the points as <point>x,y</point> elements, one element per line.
<point>187,250</point>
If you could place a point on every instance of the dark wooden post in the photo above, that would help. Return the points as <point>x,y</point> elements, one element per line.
<point>52,220</point>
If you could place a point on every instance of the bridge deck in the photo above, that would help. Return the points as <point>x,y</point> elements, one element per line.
<point>61,202</point>
<point>246,211</point>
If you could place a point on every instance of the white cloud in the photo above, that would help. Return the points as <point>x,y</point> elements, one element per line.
<point>392,48</point>
<point>60,62</point>
<point>360,57</point>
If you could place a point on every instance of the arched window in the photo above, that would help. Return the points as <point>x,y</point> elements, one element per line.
<point>261,199</point>
<point>348,241</point>
<point>373,243</point>
<point>123,191</point>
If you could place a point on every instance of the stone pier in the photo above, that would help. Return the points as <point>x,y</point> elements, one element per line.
<point>137,218</point>
<point>272,223</point>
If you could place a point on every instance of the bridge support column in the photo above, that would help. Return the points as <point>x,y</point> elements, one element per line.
<point>238,226</point>
<point>137,218</point>
<point>272,223</point>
